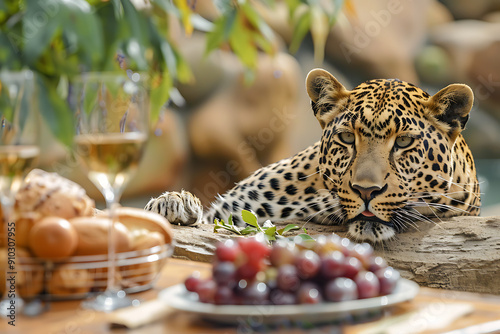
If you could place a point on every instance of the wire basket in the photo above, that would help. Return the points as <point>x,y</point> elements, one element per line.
<point>81,276</point>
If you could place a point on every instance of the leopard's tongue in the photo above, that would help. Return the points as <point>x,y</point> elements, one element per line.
<point>367,213</point>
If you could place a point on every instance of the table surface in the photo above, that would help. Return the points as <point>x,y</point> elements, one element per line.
<point>68,317</point>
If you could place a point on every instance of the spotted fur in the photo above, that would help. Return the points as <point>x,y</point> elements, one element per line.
<point>390,155</point>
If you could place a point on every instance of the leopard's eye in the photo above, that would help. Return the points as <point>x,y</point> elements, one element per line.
<point>347,137</point>
<point>404,141</point>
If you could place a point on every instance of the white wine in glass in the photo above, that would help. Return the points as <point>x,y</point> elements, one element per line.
<point>18,155</point>
<point>112,113</point>
<point>111,158</point>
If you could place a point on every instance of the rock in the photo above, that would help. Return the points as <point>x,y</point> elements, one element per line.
<point>461,253</point>
<point>381,38</point>
<point>493,17</point>
<point>466,9</point>
<point>196,242</point>
<point>245,126</point>
<point>462,40</point>
<point>484,73</point>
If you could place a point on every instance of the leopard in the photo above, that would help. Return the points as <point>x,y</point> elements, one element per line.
<point>390,155</point>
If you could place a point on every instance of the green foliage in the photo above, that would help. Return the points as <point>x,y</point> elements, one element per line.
<point>59,39</point>
<point>249,217</point>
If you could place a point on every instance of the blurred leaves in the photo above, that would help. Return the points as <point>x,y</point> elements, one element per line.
<point>316,17</point>
<point>54,109</point>
<point>241,29</point>
<point>59,39</point>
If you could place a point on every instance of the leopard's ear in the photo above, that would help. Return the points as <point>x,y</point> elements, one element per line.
<point>327,95</point>
<point>451,107</point>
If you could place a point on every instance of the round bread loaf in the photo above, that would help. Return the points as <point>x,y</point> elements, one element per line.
<point>93,236</point>
<point>53,238</point>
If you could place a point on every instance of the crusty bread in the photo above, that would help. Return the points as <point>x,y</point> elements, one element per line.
<point>49,194</point>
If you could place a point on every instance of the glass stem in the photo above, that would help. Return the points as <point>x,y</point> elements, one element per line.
<point>112,198</point>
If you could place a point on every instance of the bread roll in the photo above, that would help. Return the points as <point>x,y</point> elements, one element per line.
<point>49,194</point>
<point>53,238</point>
<point>135,218</point>
<point>143,273</point>
<point>93,236</point>
<point>68,280</point>
<point>24,224</point>
<point>29,278</point>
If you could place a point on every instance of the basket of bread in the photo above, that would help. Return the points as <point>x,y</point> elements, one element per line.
<point>62,242</point>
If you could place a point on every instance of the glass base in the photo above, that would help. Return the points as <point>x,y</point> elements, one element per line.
<point>109,301</point>
<point>9,308</point>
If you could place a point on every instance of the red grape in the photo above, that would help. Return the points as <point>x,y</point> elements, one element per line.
<point>288,278</point>
<point>255,248</point>
<point>332,265</point>
<point>282,252</point>
<point>227,251</point>
<point>224,273</point>
<point>308,264</point>
<point>248,270</point>
<point>377,263</point>
<point>309,293</point>
<point>224,295</point>
<point>191,283</point>
<point>368,284</point>
<point>341,289</point>
<point>352,267</point>
<point>363,252</point>
<point>388,278</point>
<point>255,293</point>
<point>347,246</point>
<point>206,291</point>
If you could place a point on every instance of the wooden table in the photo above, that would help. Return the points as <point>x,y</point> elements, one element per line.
<point>67,317</point>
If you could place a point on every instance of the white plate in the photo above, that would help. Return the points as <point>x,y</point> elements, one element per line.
<point>179,298</point>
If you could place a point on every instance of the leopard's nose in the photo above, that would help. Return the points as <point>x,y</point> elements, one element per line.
<point>368,193</point>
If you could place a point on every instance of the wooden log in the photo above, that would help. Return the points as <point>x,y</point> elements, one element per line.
<point>461,253</point>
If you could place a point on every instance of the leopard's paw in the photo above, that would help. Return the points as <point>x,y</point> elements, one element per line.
<point>179,208</point>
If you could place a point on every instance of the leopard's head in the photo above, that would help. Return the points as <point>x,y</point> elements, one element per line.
<point>387,150</point>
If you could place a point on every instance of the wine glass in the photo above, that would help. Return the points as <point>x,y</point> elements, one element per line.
<point>112,123</point>
<point>18,154</point>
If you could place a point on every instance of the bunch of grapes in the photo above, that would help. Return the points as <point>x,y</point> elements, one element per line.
<point>247,271</point>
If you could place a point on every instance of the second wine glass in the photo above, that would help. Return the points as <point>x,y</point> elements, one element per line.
<point>112,118</point>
